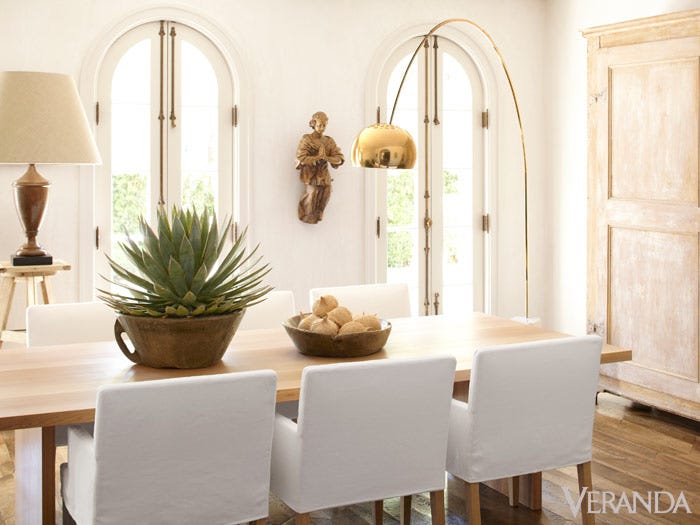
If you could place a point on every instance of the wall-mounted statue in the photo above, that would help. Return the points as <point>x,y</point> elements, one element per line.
<point>315,152</point>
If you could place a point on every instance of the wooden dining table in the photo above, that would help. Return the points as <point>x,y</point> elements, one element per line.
<point>42,387</point>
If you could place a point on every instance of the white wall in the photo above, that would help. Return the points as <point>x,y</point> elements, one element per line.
<point>567,137</point>
<point>299,57</point>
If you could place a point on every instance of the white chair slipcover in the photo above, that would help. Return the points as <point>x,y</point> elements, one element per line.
<point>271,313</point>
<point>185,450</point>
<point>386,300</point>
<point>366,431</point>
<point>66,323</point>
<point>531,408</point>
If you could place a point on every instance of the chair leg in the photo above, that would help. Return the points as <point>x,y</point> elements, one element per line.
<point>437,507</point>
<point>67,518</point>
<point>379,512</point>
<point>405,517</point>
<point>473,503</point>
<point>585,481</point>
<point>303,519</point>
<point>513,491</point>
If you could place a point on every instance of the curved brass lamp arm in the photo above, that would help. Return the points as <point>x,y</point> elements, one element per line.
<point>517,111</point>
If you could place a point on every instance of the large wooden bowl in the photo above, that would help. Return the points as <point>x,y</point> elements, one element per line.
<point>348,345</point>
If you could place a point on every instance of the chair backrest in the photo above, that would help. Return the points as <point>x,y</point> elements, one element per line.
<point>276,308</point>
<point>64,323</point>
<point>387,300</point>
<point>185,450</point>
<point>374,429</point>
<point>531,406</point>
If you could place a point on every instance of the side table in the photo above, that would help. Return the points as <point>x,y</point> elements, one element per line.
<point>33,275</point>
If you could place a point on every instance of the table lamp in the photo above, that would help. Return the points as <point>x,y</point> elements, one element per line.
<point>42,121</point>
<point>387,146</point>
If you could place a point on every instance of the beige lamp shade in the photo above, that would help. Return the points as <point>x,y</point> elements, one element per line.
<point>42,120</point>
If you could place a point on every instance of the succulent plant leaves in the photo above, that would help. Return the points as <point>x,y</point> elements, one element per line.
<point>175,271</point>
<point>128,276</point>
<point>199,279</point>
<point>186,258</point>
<point>177,277</point>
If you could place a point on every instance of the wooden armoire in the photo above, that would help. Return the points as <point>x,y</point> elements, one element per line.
<point>643,206</point>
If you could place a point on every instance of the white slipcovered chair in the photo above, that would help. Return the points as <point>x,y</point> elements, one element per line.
<point>366,431</point>
<point>387,300</point>
<point>531,408</point>
<point>277,308</point>
<point>66,323</point>
<point>271,313</point>
<point>185,450</point>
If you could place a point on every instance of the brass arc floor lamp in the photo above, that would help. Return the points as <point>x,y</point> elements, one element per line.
<point>387,146</point>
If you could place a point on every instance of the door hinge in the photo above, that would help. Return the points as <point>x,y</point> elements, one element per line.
<point>97,113</point>
<point>485,119</point>
<point>379,227</point>
<point>234,116</point>
<point>485,223</point>
<point>97,237</point>
<point>596,328</point>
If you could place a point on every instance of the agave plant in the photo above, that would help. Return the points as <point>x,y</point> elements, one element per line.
<point>179,271</point>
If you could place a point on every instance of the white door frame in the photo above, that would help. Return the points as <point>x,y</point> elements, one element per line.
<point>88,89</point>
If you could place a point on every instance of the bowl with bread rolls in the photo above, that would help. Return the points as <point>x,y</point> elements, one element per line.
<point>331,330</point>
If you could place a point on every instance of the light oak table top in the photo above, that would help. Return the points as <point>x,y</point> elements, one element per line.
<point>57,385</point>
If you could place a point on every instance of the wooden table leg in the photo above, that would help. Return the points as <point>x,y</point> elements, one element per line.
<point>46,290</point>
<point>31,290</point>
<point>7,291</point>
<point>530,493</point>
<point>35,470</point>
<point>535,490</point>
<point>405,510</point>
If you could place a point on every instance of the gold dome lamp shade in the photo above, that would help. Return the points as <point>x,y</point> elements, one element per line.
<point>384,146</point>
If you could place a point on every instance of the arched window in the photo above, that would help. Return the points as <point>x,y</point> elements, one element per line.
<point>165,131</point>
<point>441,105</point>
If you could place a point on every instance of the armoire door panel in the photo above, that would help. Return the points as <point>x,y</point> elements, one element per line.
<point>653,299</point>
<point>644,219</point>
<point>653,152</point>
<point>659,216</point>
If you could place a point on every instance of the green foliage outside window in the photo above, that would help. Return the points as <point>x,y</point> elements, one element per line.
<point>400,198</point>
<point>399,249</point>
<point>128,201</point>
<point>130,198</point>
<point>450,182</point>
<point>197,193</point>
<point>401,210</point>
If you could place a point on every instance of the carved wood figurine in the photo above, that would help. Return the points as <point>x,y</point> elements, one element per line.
<point>315,152</point>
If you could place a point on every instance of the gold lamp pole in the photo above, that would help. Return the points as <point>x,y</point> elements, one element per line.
<point>391,147</point>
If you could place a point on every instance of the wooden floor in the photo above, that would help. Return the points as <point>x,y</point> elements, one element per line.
<point>634,448</point>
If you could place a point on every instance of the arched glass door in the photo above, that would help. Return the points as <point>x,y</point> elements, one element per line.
<point>443,263</point>
<point>165,129</point>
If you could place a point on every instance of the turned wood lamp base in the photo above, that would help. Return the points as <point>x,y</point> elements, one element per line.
<point>31,196</point>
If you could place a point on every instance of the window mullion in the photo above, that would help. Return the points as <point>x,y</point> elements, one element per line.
<point>173,71</point>
<point>436,182</point>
